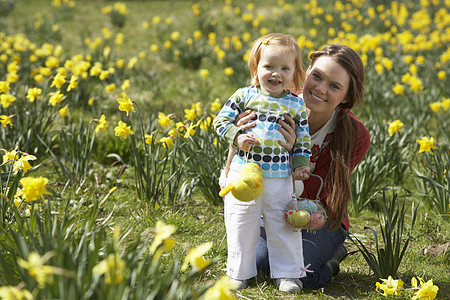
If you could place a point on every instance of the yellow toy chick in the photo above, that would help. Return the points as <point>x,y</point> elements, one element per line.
<point>248,186</point>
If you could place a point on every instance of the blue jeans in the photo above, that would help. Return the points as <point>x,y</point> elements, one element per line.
<point>318,249</point>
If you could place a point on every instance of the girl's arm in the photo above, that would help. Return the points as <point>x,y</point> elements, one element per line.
<point>243,122</point>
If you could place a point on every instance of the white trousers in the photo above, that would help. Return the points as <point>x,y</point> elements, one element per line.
<point>242,221</point>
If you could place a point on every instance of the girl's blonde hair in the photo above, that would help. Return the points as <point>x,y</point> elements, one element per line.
<point>288,45</point>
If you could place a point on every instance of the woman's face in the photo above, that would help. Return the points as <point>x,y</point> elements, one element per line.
<point>326,85</point>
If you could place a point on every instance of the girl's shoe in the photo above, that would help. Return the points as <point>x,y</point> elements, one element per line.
<point>239,284</point>
<point>289,285</point>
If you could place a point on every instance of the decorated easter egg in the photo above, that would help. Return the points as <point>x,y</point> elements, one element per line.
<point>316,221</point>
<point>308,206</point>
<point>300,218</point>
<point>289,216</point>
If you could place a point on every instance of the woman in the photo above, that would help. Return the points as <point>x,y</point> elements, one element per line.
<point>333,86</point>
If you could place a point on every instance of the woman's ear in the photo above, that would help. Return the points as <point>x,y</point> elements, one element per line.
<point>345,100</point>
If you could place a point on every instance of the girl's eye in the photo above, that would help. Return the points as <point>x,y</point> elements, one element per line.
<point>316,76</point>
<point>285,69</point>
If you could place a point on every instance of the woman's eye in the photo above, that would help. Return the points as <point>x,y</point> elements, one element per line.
<point>333,86</point>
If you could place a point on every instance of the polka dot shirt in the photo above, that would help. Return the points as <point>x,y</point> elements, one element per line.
<point>269,155</point>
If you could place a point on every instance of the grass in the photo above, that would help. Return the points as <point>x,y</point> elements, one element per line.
<point>167,87</point>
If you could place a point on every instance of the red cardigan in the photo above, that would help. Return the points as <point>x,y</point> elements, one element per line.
<point>323,166</point>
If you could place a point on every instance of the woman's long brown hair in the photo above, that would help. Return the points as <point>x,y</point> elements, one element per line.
<point>337,181</point>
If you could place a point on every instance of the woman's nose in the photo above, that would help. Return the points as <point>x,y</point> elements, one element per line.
<point>321,87</point>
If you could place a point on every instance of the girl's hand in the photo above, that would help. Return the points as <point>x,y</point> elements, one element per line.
<point>245,141</point>
<point>301,173</point>
<point>244,118</point>
<point>288,131</point>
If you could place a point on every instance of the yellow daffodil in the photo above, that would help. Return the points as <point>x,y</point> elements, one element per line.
<point>132,62</point>
<point>10,156</point>
<point>398,89</point>
<point>441,75</point>
<point>395,126</point>
<point>167,44</point>
<point>73,83</point>
<point>113,267</point>
<point>166,141</point>
<point>102,124</point>
<point>175,35</point>
<point>221,290</point>
<point>426,145</point>
<point>216,106</point>
<point>197,34</point>
<point>173,133</point>
<point>123,130</point>
<point>91,101</point>
<point>12,77</point>
<point>427,290</point>
<point>23,163</point>
<point>164,120</point>
<point>156,20</point>
<point>5,120</point>
<point>56,98</point>
<point>190,131</point>
<point>33,93</point>
<point>206,124</point>
<point>390,286</point>
<point>110,88</point>
<point>34,188</point>
<point>95,70</point>
<point>195,257</point>
<point>204,73</point>
<point>163,232</point>
<point>8,292</point>
<point>63,111</point>
<point>197,106</point>
<point>52,62</point>
<point>36,266</point>
<point>154,48</point>
<point>189,114</point>
<point>125,85</point>
<point>228,71</point>
<point>6,100</point>
<point>58,80</point>
<point>148,139</point>
<point>125,104</point>
<point>4,86</point>
<point>121,8</point>
<point>445,103</point>
<point>435,106</point>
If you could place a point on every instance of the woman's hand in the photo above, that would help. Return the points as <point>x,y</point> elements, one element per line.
<point>288,131</point>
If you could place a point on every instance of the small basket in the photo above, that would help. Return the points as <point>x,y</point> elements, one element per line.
<point>305,213</point>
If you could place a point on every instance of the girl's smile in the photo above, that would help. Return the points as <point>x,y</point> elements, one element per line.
<point>275,70</point>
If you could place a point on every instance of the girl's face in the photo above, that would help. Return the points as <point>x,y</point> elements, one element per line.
<point>326,85</point>
<point>275,70</point>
